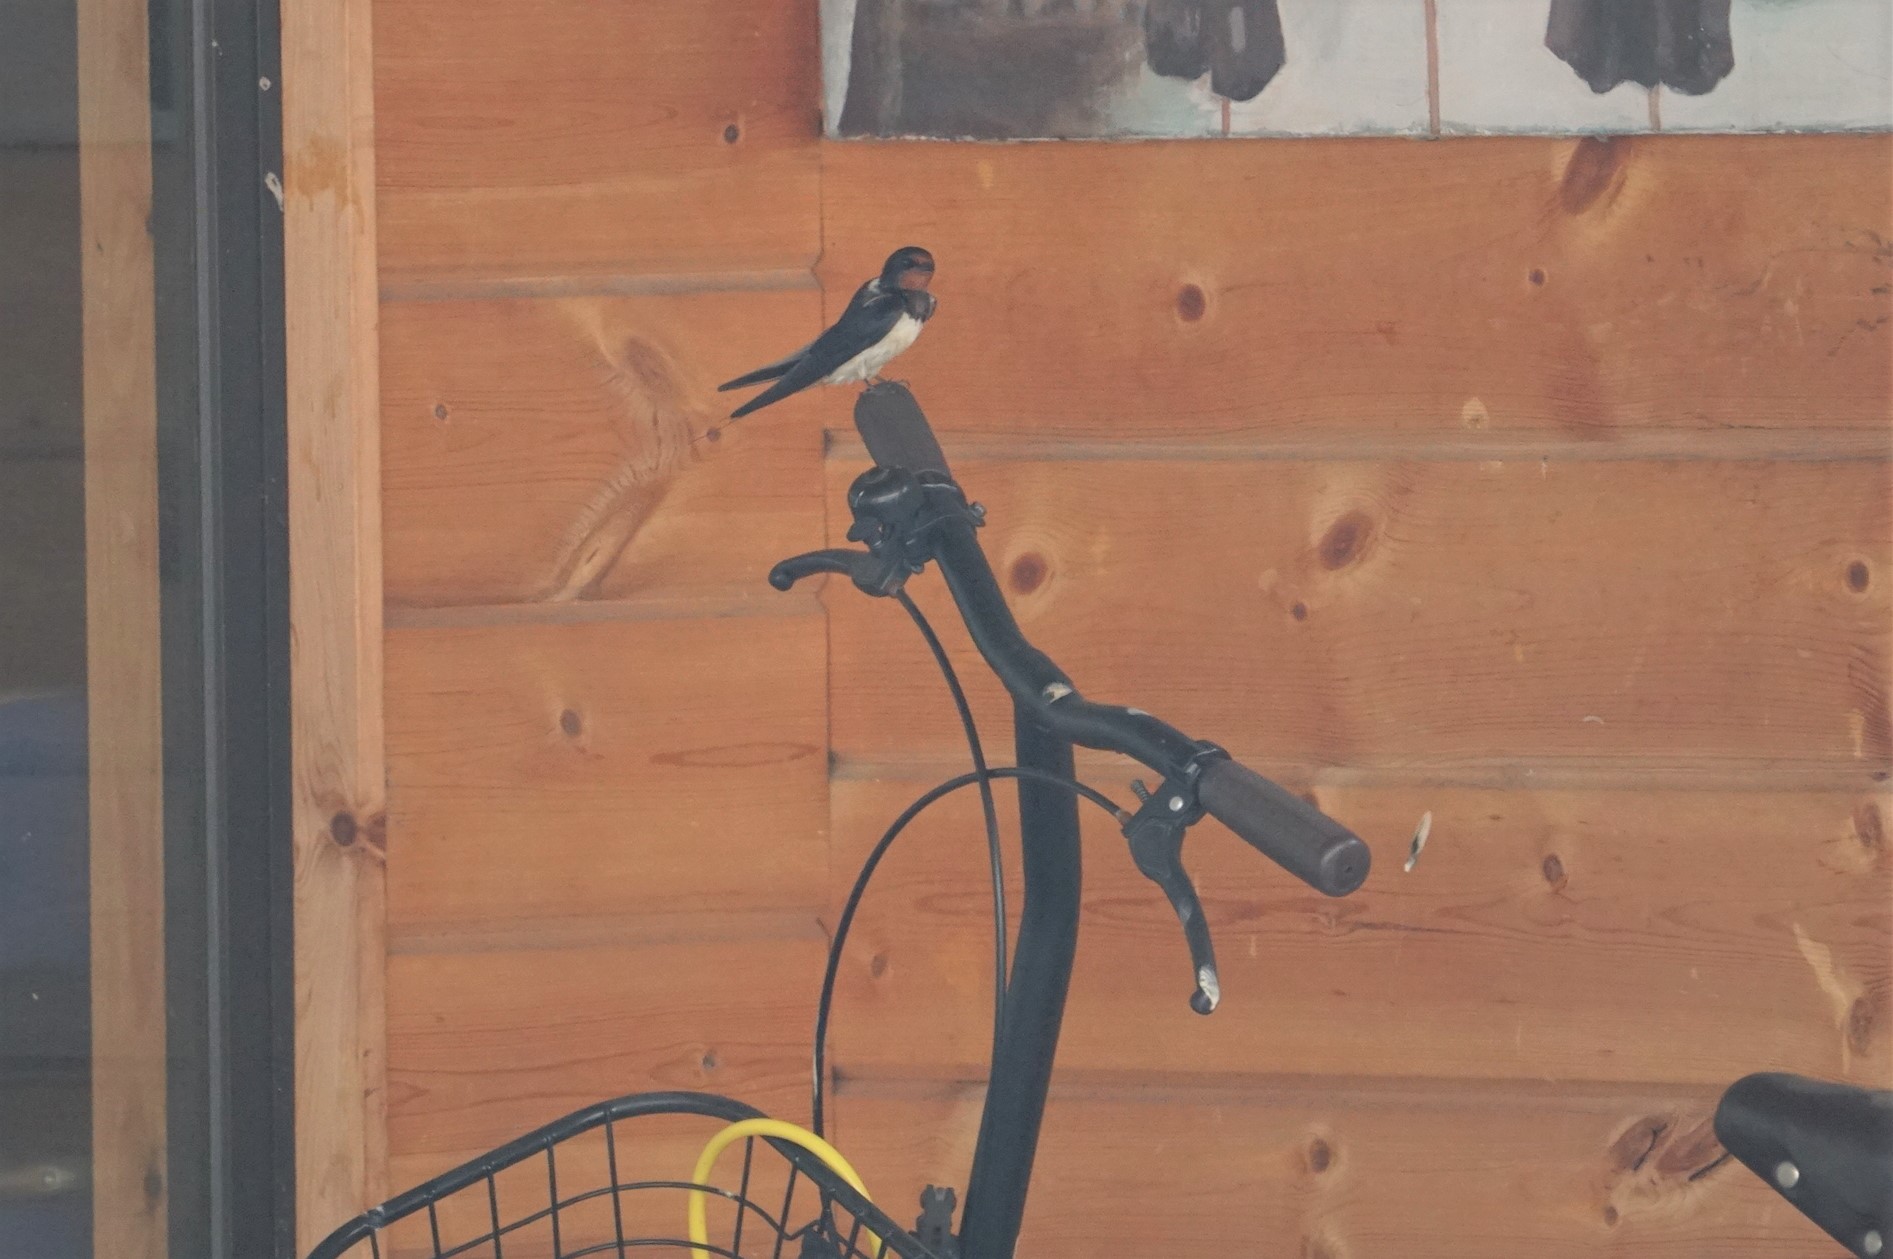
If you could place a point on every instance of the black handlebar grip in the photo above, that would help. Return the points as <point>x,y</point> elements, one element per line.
<point>895,429</point>
<point>1284,828</point>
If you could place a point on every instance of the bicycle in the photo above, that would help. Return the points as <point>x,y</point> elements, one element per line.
<point>908,512</point>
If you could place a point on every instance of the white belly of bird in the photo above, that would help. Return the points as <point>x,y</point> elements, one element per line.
<point>868,364</point>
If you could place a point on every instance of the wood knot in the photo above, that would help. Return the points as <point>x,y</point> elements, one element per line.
<point>1191,303</point>
<point>1299,611</point>
<point>1028,572</point>
<point>1630,1151</point>
<point>1320,1156</point>
<point>877,965</point>
<point>1869,829</point>
<point>440,410</point>
<point>708,1062</point>
<point>1859,577</point>
<point>1610,1216</point>
<point>732,133</point>
<point>1595,169</point>
<point>372,832</point>
<point>1691,1151</point>
<point>1860,1021</point>
<point>1553,869</point>
<point>1346,540</point>
<point>570,723</point>
<point>1537,276</point>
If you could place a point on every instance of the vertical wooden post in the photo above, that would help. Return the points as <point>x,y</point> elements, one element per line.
<point>335,608</point>
<point>130,1191</point>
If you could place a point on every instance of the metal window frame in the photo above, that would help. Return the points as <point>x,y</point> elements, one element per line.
<point>223,559</point>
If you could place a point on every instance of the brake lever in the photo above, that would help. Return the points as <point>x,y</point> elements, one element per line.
<point>893,512</point>
<point>1155,833</point>
<point>871,573</point>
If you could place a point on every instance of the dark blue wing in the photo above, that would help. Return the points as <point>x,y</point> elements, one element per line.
<point>869,317</point>
<point>778,368</point>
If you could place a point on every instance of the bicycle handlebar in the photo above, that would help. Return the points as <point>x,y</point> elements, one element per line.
<point>1281,826</point>
<point>909,511</point>
<point>1284,828</point>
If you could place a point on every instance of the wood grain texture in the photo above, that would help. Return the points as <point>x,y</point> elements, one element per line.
<point>484,1046</point>
<point>129,1164</point>
<point>335,597</point>
<point>548,772</point>
<point>571,138</point>
<point>1438,614</point>
<point>1679,937</point>
<point>1244,293</point>
<point>553,450</point>
<point>1327,1171</point>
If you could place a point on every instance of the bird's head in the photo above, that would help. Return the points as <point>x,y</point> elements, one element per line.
<point>909,267</point>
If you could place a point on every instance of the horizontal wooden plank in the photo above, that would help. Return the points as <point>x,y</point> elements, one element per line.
<point>1327,1174</point>
<point>554,449</point>
<point>1794,445</point>
<point>569,138</point>
<point>483,1047</point>
<point>539,773</point>
<point>1237,292</point>
<point>1431,614</point>
<point>1558,935</point>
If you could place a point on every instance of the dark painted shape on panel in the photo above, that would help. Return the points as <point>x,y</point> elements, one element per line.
<point>1681,44</point>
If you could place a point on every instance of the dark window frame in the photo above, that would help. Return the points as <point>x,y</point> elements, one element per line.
<point>223,561</point>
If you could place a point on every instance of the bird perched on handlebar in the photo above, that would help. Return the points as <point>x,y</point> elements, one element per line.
<point>883,318</point>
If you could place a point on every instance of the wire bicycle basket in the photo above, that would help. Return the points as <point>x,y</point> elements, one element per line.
<point>615,1179</point>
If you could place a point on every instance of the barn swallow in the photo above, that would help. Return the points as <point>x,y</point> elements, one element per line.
<point>882,319</point>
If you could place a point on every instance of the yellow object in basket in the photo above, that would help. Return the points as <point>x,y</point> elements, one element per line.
<point>780,1130</point>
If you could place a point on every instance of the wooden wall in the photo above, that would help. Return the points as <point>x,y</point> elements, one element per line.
<point>1539,484</point>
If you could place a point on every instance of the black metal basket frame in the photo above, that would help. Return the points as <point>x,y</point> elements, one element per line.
<point>849,1241</point>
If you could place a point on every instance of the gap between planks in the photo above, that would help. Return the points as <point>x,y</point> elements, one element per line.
<point>766,602</point>
<point>617,930</point>
<point>1109,772</point>
<point>450,288</point>
<point>1793,445</point>
<point>1167,1088</point>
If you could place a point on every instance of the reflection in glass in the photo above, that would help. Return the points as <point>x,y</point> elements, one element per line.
<point>45,1020</point>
